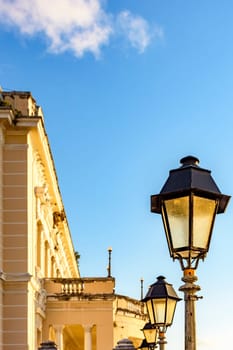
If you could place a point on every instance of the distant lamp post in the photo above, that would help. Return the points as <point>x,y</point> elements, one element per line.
<point>141,280</point>
<point>151,334</point>
<point>161,300</point>
<point>188,203</point>
<point>109,262</point>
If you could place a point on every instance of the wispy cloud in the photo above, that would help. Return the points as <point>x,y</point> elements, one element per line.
<point>78,26</point>
<point>137,30</point>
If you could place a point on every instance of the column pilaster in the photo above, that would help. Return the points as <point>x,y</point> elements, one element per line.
<point>87,337</point>
<point>59,336</point>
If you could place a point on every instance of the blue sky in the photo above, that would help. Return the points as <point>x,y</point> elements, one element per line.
<point>128,88</point>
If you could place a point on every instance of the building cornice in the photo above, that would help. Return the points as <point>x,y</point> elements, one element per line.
<point>7,115</point>
<point>27,122</point>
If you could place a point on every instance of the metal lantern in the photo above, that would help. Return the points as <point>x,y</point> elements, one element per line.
<point>150,333</point>
<point>161,300</point>
<point>189,202</point>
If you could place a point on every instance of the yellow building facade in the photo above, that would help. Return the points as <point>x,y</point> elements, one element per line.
<point>42,294</point>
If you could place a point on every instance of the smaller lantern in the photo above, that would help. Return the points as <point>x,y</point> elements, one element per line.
<point>161,300</point>
<point>150,333</point>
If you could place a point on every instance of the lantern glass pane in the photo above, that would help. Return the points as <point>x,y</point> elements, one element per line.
<point>150,311</point>
<point>171,305</point>
<point>177,210</point>
<point>159,310</point>
<point>204,210</point>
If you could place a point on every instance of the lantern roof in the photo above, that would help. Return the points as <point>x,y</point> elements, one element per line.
<point>189,178</point>
<point>124,344</point>
<point>148,325</point>
<point>160,290</point>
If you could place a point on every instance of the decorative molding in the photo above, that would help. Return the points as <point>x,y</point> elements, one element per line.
<point>40,169</point>
<point>7,114</point>
<point>27,121</point>
<point>39,192</point>
<point>58,217</point>
<point>15,277</point>
<point>15,146</point>
<point>41,296</point>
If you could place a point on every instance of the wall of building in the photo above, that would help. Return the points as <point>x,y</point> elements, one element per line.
<point>35,241</point>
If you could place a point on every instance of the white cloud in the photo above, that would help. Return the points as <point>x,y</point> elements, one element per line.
<point>74,25</point>
<point>135,29</point>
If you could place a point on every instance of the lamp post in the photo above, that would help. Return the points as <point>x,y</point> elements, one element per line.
<point>109,262</point>
<point>141,280</point>
<point>188,203</point>
<point>161,300</point>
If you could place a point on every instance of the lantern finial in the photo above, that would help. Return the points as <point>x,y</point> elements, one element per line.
<point>189,160</point>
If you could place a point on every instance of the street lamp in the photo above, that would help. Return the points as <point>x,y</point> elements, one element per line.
<point>150,333</point>
<point>109,261</point>
<point>161,300</point>
<point>189,202</point>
